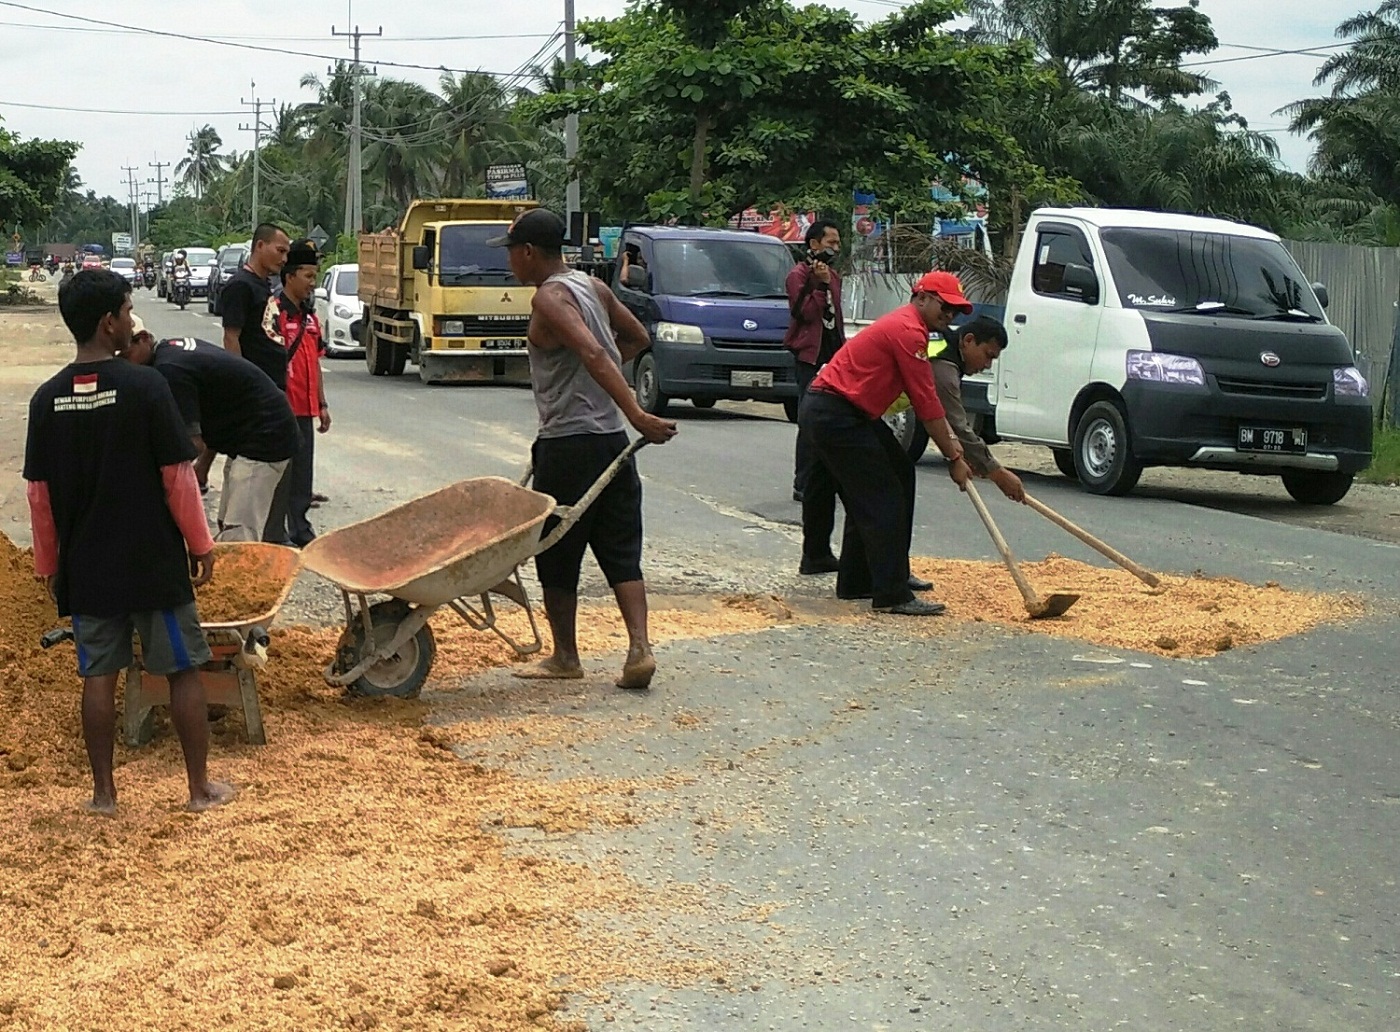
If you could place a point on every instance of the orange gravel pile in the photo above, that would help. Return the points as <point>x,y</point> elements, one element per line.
<point>365,877</point>
<point>1186,616</point>
<point>240,589</point>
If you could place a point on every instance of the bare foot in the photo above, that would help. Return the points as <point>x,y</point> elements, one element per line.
<point>215,793</point>
<point>96,807</point>
<point>638,670</point>
<point>551,669</point>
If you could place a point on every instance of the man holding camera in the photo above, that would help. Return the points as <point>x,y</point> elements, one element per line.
<point>814,334</point>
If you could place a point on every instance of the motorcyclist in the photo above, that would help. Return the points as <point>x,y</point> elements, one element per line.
<point>180,272</point>
<point>67,274</point>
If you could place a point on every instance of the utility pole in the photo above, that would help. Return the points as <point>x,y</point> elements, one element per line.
<point>570,121</point>
<point>130,171</point>
<point>159,179</point>
<point>257,129</point>
<point>354,180</point>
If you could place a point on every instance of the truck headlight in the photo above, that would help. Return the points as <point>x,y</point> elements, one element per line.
<point>450,328</point>
<point>341,312</point>
<point>1347,382</point>
<point>679,333</point>
<point>1155,367</point>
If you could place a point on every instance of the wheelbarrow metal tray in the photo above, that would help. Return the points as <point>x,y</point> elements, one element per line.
<point>458,541</point>
<point>277,562</point>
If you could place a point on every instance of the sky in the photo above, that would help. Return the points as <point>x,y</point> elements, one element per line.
<point>171,85</point>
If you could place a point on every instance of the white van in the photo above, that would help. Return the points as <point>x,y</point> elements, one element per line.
<point>1151,339</point>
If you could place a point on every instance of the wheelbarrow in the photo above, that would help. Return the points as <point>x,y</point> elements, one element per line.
<point>458,547</point>
<point>239,648</point>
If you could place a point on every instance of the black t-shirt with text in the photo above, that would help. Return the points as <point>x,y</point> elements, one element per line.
<point>248,308</point>
<point>99,435</point>
<point>229,402</point>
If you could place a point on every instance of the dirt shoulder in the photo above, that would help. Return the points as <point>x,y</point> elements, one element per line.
<point>34,344</point>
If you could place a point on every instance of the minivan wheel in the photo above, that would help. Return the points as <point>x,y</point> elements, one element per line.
<point>1312,488</point>
<point>1064,462</point>
<point>790,406</point>
<point>1103,453</point>
<point>649,395</point>
<point>909,432</point>
<point>703,403</point>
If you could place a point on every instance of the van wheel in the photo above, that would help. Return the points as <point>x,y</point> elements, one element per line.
<point>790,409</point>
<point>1103,451</point>
<point>909,432</point>
<point>1064,462</point>
<point>1316,488</point>
<point>649,395</point>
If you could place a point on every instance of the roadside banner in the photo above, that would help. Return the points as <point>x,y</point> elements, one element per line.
<point>14,257</point>
<point>785,224</point>
<point>507,182</point>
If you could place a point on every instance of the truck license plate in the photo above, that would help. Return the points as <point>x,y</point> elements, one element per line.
<point>750,378</point>
<point>502,345</point>
<point>1293,441</point>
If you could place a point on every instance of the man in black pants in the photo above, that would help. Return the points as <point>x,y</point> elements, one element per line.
<point>814,334</point>
<point>874,476</point>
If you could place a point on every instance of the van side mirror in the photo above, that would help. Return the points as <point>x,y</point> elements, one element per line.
<point>636,278</point>
<point>1320,290</point>
<point>422,257</point>
<point>321,294</point>
<point>1081,283</point>
<point>212,263</point>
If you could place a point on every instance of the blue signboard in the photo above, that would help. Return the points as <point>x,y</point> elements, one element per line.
<point>14,257</point>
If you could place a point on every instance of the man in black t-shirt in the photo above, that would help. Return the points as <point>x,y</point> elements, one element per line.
<point>119,528</point>
<point>250,311</point>
<point>230,407</point>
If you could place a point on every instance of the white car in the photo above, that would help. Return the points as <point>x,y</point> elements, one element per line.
<point>125,268</point>
<point>340,309</point>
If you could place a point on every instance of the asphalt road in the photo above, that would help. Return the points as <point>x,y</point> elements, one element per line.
<point>976,831</point>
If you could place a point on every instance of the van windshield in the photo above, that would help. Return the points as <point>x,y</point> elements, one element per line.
<point>466,259</point>
<point>721,267</point>
<point>1211,273</point>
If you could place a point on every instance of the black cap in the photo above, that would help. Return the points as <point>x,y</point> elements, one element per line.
<point>537,226</point>
<point>302,252</point>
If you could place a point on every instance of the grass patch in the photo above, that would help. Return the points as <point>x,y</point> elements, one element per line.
<point>1385,458</point>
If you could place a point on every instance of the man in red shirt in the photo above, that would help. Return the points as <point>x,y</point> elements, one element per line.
<point>300,332</point>
<point>841,415</point>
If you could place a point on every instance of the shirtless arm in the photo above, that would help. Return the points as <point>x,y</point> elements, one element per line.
<point>557,320</point>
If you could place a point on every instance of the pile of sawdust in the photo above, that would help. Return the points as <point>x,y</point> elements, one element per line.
<point>1186,616</point>
<point>242,587</point>
<point>363,879</point>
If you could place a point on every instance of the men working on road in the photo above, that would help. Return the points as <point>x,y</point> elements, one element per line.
<point>874,476</point>
<point>299,327</point>
<point>250,314</point>
<point>229,407</point>
<point>119,528</point>
<point>970,350</point>
<point>815,332</point>
<point>579,337</point>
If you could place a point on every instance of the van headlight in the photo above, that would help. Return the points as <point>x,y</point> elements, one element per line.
<point>679,333</point>
<point>1155,367</point>
<point>1347,382</point>
<point>341,312</point>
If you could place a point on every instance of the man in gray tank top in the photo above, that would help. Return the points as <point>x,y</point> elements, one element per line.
<point>580,336</point>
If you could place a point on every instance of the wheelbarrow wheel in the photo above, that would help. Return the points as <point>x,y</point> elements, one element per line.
<point>401,675</point>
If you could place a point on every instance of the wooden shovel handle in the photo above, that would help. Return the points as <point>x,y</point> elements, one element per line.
<point>1033,603</point>
<point>1146,576</point>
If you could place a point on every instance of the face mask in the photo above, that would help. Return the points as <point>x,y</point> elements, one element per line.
<point>828,256</point>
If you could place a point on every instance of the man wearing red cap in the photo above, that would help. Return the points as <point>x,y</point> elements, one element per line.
<point>874,476</point>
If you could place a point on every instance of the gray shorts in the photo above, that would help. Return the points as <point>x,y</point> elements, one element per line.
<point>171,641</point>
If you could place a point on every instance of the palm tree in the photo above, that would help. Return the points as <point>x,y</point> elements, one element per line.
<point>202,162</point>
<point>404,153</point>
<point>475,118</point>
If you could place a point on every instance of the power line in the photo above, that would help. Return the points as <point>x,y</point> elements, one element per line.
<point>285,39</point>
<point>1264,52</point>
<point>108,111</point>
<point>227,43</point>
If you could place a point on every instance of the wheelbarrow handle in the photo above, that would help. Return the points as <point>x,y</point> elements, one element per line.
<point>570,514</point>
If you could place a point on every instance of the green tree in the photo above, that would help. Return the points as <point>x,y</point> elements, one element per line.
<point>202,162</point>
<point>33,174</point>
<point>696,112</point>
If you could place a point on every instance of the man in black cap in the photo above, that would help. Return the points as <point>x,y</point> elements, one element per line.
<point>579,337</point>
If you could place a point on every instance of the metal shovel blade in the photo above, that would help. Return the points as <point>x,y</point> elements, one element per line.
<point>1052,606</point>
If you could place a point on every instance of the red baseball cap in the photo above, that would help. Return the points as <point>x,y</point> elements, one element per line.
<point>946,286</point>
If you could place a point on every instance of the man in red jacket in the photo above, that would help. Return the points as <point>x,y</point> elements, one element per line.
<point>841,415</point>
<point>814,334</point>
<point>300,331</point>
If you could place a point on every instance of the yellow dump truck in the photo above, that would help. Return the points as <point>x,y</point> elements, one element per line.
<point>435,293</point>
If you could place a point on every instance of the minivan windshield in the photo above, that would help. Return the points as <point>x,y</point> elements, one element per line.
<point>1175,270</point>
<point>199,255</point>
<point>721,267</point>
<point>466,259</point>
